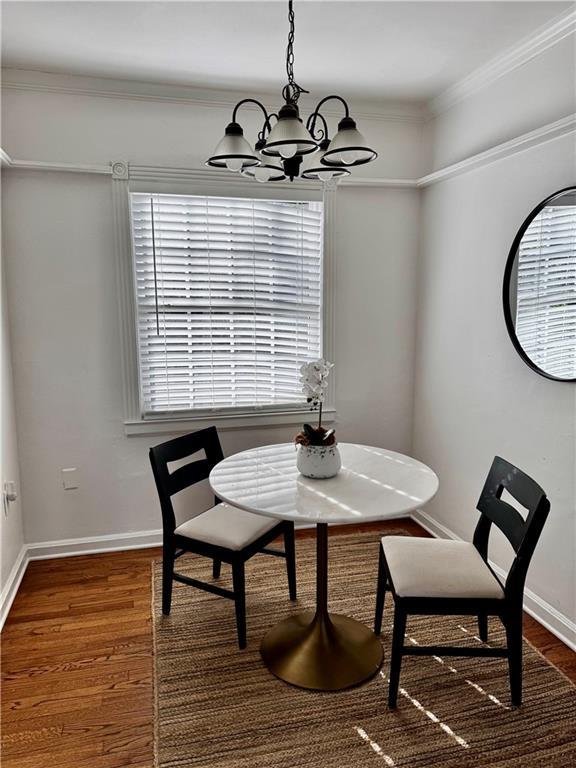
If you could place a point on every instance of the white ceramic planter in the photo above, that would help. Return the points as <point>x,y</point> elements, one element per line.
<point>318,461</point>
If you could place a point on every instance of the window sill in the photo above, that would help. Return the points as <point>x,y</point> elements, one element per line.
<point>171,425</point>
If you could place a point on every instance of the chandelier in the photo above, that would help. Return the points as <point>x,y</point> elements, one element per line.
<point>288,148</point>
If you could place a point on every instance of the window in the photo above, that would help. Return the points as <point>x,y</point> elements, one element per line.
<point>228,300</point>
<point>546,292</point>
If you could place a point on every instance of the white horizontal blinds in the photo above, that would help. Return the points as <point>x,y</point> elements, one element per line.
<point>229,300</point>
<point>546,297</point>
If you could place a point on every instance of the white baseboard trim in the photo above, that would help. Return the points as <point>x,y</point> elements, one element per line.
<point>560,625</point>
<point>13,583</point>
<point>92,545</point>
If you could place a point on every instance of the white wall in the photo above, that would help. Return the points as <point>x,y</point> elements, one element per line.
<point>474,396</point>
<point>63,305</point>
<point>539,92</point>
<point>11,527</point>
<point>376,319</point>
<point>77,126</point>
<point>462,396</point>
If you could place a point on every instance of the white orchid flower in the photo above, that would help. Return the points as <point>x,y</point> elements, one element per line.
<point>314,378</point>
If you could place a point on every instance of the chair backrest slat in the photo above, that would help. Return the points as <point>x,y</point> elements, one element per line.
<point>170,483</point>
<point>183,477</point>
<point>508,519</point>
<point>523,534</point>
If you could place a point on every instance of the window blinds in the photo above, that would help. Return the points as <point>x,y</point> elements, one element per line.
<point>546,291</point>
<point>228,294</point>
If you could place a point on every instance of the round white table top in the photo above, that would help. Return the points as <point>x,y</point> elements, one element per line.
<point>373,484</point>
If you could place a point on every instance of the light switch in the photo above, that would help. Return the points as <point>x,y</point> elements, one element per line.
<point>70,478</point>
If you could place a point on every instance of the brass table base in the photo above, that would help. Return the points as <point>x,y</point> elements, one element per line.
<point>323,653</point>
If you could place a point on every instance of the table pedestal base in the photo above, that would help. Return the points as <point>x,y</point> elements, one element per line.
<point>323,652</point>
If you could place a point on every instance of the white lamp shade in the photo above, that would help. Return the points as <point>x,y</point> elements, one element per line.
<point>348,147</point>
<point>289,133</point>
<point>233,148</point>
<point>312,168</point>
<point>266,171</point>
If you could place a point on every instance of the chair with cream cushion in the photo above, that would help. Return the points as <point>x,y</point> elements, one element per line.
<point>432,577</point>
<point>223,533</point>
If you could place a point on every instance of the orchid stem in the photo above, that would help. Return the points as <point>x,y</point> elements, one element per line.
<point>320,416</point>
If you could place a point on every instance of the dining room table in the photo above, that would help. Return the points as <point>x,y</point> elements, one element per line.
<point>317,649</point>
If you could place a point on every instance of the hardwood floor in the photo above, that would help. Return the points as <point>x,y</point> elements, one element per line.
<point>77,661</point>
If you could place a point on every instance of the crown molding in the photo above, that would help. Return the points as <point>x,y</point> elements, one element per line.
<point>158,173</point>
<point>5,159</point>
<point>549,132</point>
<point>41,165</point>
<point>210,176</point>
<point>537,43</point>
<point>108,88</point>
<point>350,181</point>
<point>122,170</point>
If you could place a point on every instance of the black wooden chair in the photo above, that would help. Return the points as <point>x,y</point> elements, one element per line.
<point>224,533</point>
<point>432,577</point>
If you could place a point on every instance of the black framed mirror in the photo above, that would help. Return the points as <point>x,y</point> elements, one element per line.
<point>539,291</point>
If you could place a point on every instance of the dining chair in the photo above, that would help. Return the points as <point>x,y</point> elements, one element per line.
<point>224,533</point>
<point>436,577</point>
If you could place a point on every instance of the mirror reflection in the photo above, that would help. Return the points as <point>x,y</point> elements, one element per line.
<point>540,288</point>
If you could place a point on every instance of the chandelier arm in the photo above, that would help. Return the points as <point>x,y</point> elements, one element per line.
<point>262,134</point>
<point>321,133</point>
<point>311,124</point>
<point>267,117</point>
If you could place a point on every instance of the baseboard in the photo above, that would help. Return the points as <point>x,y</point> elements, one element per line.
<point>544,613</point>
<point>12,584</point>
<point>561,626</point>
<point>92,545</point>
<point>89,545</point>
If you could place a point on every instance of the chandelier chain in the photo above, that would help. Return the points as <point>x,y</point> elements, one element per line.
<point>292,90</point>
<point>280,148</point>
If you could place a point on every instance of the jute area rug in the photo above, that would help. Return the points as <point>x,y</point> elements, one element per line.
<point>218,707</point>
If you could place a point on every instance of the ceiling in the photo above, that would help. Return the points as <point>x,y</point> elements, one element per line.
<point>398,50</point>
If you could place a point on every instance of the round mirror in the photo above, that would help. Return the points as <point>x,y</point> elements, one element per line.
<point>540,288</point>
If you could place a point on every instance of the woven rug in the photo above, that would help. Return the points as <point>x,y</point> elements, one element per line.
<point>218,707</point>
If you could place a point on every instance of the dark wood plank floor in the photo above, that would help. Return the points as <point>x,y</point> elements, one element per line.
<point>77,661</point>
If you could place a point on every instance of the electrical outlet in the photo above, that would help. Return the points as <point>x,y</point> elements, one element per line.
<point>10,490</point>
<point>70,478</point>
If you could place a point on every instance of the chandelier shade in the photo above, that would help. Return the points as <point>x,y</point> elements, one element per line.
<point>313,168</point>
<point>286,148</point>
<point>266,171</point>
<point>348,147</point>
<point>233,151</point>
<point>289,136</point>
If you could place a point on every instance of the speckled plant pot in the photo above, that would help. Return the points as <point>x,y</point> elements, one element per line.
<point>318,461</point>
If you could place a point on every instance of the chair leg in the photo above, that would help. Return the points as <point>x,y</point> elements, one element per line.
<point>168,552</point>
<point>216,566</point>
<point>380,593</point>
<point>240,601</point>
<point>290,550</point>
<point>396,657</point>
<point>483,627</point>
<point>514,638</point>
